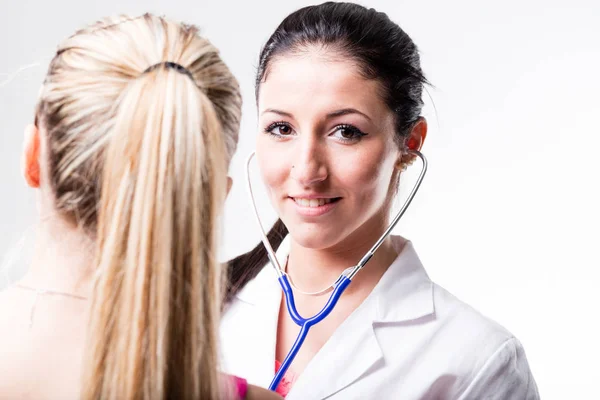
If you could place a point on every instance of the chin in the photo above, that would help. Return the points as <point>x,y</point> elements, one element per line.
<point>315,237</point>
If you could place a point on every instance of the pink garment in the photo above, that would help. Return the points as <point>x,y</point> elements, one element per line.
<point>286,383</point>
<point>241,387</point>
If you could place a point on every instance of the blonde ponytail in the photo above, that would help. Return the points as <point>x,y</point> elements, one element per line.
<point>140,160</point>
<point>154,303</point>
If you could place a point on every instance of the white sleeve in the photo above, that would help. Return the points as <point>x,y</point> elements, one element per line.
<point>505,376</point>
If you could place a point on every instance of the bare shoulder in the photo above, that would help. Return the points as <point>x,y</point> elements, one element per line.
<point>9,300</point>
<point>13,305</point>
<point>258,393</point>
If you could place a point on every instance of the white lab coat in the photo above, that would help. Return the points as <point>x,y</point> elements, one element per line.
<point>410,339</point>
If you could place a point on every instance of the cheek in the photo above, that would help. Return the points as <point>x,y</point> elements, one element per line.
<point>272,165</point>
<point>367,177</point>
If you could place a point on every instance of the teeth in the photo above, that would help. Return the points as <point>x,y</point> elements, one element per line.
<point>312,202</point>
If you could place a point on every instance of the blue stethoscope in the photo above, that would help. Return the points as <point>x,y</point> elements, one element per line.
<point>338,286</point>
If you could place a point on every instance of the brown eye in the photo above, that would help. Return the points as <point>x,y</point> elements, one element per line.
<point>283,130</point>
<point>279,129</point>
<point>347,133</point>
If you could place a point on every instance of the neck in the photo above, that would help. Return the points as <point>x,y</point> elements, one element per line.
<point>62,259</point>
<point>315,269</point>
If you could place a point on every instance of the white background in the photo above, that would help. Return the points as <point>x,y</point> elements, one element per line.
<point>507,218</point>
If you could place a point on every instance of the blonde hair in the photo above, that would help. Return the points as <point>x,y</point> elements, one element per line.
<point>139,161</point>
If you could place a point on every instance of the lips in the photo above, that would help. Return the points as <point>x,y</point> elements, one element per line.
<point>314,206</point>
<point>313,203</point>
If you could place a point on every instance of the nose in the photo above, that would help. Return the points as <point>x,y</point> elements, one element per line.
<point>309,164</point>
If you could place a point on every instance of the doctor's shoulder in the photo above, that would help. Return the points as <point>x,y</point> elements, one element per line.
<point>488,361</point>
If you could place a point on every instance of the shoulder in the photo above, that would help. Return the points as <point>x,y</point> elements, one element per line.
<point>465,321</point>
<point>467,329</point>
<point>13,305</point>
<point>489,360</point>
<point>505,374</point>
<point>258,393</point>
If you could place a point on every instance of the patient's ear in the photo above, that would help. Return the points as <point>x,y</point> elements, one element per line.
<point>229,184</point>
<point>31,156</point>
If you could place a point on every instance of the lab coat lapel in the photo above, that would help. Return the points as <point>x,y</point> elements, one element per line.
<point>257,330</point>
<point>404,293</point>
<point>351,352</point>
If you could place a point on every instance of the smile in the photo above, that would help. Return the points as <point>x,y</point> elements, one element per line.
<point>314,203</point>
<point>314,207</point>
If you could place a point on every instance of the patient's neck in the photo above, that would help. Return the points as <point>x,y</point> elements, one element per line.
<point>62,258</point>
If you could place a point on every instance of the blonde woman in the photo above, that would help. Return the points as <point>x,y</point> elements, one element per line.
<point>136,123</point>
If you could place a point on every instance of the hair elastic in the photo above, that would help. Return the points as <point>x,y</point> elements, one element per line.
<point>172,65</point>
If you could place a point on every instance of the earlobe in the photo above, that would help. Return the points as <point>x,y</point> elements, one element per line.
<point>31,156</point>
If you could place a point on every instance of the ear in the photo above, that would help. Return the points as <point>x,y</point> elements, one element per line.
<point>229,184</point>
<point>414,141</point>
<point>31,156</point>
<point>417,136</point>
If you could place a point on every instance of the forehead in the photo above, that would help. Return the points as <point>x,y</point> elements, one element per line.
<point>312,81</point>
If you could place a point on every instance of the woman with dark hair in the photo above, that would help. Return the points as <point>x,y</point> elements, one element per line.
<point>339,92</point>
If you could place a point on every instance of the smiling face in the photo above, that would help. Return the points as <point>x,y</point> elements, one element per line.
<point>326,149</point>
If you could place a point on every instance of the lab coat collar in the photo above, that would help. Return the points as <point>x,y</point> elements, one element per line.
<point>266,286</point>
<point>404,292</point>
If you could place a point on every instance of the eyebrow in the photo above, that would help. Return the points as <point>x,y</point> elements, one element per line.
<point>338,113</point>
<point>278,112</point>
